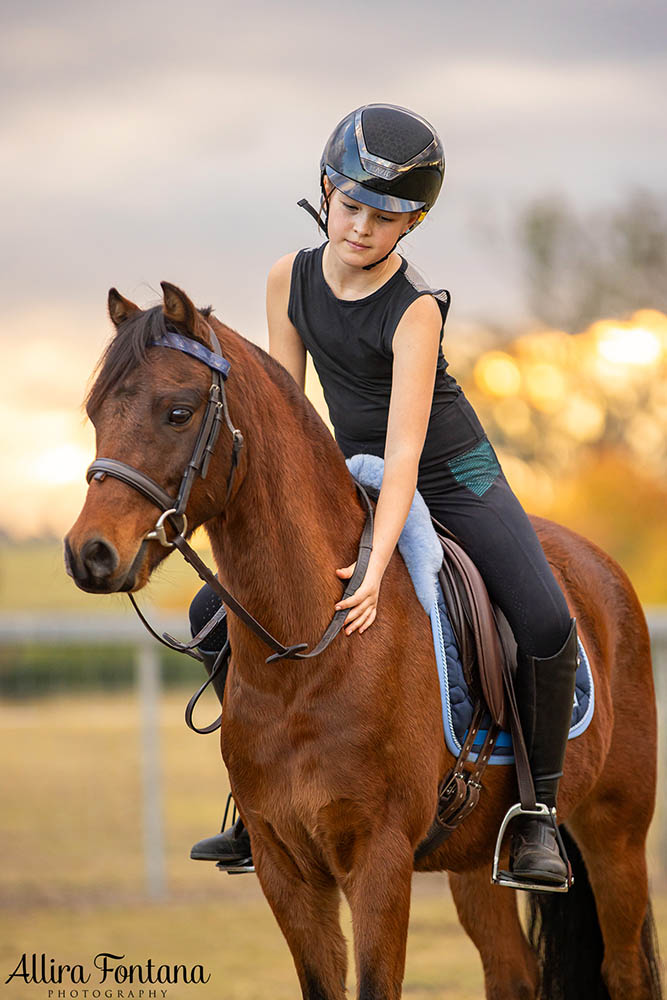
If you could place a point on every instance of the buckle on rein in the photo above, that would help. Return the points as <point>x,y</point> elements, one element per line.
<point>508,879</point>
<point>158,532</point>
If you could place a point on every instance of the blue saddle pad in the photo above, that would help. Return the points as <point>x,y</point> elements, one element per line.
<point>457,705</point>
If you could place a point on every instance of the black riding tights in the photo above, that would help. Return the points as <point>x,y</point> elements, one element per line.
<point>471,496</point>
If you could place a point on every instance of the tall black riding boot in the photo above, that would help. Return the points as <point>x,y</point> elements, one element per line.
<point>545,692</point>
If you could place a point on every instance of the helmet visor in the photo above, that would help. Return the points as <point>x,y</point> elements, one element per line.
<point>376,199</point>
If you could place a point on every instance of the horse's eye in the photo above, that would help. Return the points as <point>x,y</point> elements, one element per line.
<point>179,415</point>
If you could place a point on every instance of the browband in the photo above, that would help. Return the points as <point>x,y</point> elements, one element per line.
<point>192,347</point>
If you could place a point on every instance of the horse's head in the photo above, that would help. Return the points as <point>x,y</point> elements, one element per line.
<point>149,404</point>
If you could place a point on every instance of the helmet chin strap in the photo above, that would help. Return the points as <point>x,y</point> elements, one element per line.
<point>375,263</point>
<point>321,222</point>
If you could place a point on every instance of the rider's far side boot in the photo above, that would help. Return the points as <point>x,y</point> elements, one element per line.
<point>230,849</point>
<point>545,692</point>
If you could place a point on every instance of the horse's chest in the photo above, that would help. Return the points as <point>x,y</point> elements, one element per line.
<point>296,760</point>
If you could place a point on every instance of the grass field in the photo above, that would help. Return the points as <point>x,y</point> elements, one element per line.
<point>73,871</point>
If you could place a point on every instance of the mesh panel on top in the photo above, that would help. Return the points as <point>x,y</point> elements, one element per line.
<point>383,138</point>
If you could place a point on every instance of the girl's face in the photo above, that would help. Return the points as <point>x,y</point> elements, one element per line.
<point>360,234</point>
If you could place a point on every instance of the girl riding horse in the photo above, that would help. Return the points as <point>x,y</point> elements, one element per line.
<point>374,329</point>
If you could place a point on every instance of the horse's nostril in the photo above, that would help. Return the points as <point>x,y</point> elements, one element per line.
<point>99,557</point>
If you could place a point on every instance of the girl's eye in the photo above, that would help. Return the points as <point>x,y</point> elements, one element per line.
<point>383,218</point>
<point>351,208</point>
<point>179,415</point>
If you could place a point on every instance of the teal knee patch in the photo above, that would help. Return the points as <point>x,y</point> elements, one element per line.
<point>477,469</point>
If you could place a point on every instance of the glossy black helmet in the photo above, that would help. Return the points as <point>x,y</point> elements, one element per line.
<point>386,157</point>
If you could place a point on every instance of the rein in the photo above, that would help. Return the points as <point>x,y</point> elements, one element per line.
<point>173,509</point>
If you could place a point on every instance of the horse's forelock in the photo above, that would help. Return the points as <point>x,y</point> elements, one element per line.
<point>126,351</point>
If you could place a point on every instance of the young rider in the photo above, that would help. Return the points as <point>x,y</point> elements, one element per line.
<point>374,330</point>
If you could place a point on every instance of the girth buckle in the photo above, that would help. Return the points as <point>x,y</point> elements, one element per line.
<point>159,533</point>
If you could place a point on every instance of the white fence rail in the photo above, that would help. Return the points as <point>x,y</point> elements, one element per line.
<point>20,629</point>
<point>50,630</point>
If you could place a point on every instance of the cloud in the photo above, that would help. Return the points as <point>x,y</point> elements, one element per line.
<point>169,141</point>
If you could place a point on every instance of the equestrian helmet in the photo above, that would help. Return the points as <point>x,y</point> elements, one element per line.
<point>386,157</point>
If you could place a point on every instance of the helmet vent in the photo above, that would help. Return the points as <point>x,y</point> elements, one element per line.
<point>394,135</point>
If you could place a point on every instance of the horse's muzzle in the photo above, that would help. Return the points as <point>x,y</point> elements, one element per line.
<point>94,567</point>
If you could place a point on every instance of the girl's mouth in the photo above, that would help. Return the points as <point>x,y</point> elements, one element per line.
<point>356,246</point>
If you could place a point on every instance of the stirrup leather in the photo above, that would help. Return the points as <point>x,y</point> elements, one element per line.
<point>508,879</point>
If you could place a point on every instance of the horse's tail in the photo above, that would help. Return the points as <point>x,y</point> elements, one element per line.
<point>651,953</point>
<point>565,933</point>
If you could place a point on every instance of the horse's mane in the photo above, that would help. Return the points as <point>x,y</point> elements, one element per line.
<point>312,425</point>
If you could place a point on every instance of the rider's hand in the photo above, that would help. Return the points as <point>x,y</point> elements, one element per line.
<point>363,603</point>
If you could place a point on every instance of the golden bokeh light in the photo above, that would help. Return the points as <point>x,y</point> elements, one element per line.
<point>546,386</point>
<point>550,397</point>
<point>645,435</point>
<point>627,344</point>
<point>497,374</point>
<point>582,419</point>
<point>553,346</point>
<point>513,416</point>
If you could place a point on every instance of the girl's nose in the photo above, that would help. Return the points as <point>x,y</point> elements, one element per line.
<point>362,223</point>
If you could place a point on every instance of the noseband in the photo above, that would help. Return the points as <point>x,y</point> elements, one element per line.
<point>173,508</point>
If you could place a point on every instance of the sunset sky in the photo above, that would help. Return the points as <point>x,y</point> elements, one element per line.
<point>143,142</point>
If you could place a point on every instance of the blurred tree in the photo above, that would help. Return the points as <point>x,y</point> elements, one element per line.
<point>579,267</point>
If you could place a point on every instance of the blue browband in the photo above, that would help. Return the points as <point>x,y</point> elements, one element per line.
<point>179,343</point>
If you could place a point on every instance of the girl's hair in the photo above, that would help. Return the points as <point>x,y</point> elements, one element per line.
<point>324,203</point>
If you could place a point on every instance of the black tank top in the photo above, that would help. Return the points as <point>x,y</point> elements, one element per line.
<point>350,342</point>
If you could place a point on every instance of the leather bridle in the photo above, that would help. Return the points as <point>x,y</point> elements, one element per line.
<point>173,508</point>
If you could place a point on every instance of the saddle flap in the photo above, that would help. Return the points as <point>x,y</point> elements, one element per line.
<point>478,612</point>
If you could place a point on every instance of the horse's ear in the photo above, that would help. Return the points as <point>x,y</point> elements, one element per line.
<point>178,308</point>
<point>120,308</point>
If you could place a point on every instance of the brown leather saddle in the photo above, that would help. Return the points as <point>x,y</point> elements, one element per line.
<point>485,640</point>
<point>488,656</point>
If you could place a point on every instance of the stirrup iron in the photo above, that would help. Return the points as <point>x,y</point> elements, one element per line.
<point>508,879</point>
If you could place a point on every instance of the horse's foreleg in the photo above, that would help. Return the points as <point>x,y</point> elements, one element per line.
<point>378,891</point>
<point>488,914</point>
<point>306,906</point>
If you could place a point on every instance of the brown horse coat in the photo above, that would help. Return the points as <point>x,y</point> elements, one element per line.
<point>335,762</point>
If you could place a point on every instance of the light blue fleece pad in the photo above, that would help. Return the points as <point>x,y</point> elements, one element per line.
<point>422,554</point>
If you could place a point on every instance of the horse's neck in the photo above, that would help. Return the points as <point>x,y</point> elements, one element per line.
<point>292,522</point>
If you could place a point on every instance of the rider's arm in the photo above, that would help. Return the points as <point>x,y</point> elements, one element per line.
<point>415,346</point>
<point>285,344</point>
